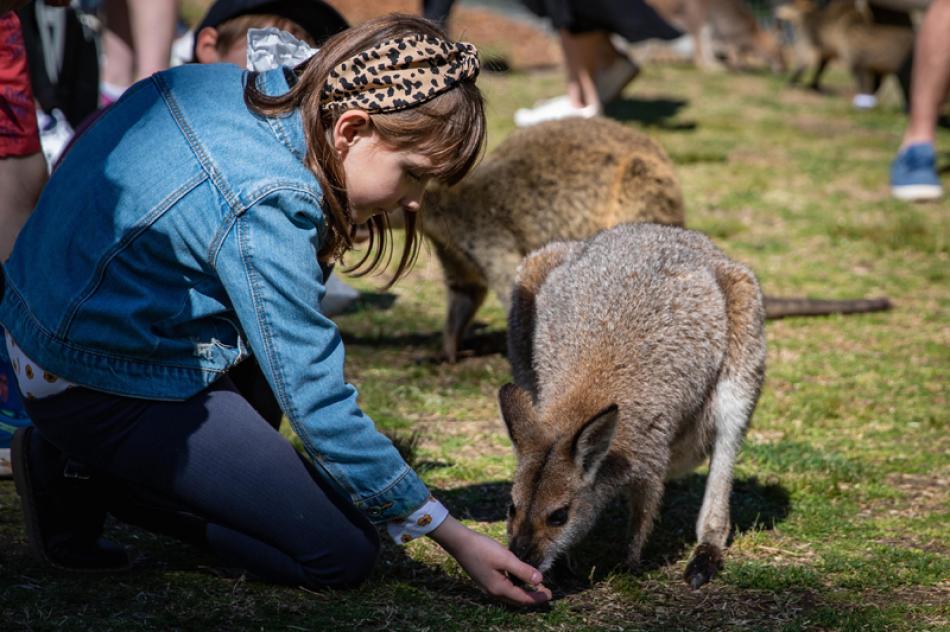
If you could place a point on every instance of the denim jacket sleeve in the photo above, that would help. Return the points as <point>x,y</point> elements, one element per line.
<point>268,266</point>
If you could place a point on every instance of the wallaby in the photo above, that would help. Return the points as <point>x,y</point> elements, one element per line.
<point>724,29</point>
<point>842,30</point>
<point>555,181</point>
<point>558,180</point>
<point>636,355</point>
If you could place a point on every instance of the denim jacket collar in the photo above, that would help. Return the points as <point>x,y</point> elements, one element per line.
<point>288,128</point>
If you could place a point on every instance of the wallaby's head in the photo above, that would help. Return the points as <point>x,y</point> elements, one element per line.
<point>558,489</point>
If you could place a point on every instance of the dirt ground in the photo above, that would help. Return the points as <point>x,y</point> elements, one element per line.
<point>521,44</point>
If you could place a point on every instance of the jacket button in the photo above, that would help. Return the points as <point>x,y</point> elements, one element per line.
<point>375,511</point>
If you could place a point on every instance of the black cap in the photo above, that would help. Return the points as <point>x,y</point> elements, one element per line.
<point>316,17</point>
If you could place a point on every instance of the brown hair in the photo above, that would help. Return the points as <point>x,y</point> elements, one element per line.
<point>449,129</point>
<point>235,29</point>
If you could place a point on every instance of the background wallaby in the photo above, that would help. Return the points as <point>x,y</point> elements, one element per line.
<point>843,30</point>
<point>554,181</point>
<point>557,181</point>
<point>635,354</point>
<point>724,29</point>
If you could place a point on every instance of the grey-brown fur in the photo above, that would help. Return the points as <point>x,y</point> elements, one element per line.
<point>559,180</point>
<point>563,180</point>
<point>636,355</point>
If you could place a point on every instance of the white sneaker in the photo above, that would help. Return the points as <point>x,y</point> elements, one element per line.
<point>864,101</point>
<point>553,110</point>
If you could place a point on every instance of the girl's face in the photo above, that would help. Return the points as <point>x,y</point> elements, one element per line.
<point>379,178</point>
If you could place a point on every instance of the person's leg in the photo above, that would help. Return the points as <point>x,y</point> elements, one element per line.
<point>211,470</point>
<point>931,74</point>
<point>21,180</point>
<point>913,171</point>
<point>580,64</point>
<point>582,58</point>
<point>22,165</point>
<point>136,41</point>
<point>153,31</point>
<point>22,176</point>
<point>117,70</point>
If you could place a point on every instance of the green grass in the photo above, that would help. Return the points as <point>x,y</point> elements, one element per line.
<point>841,499</point>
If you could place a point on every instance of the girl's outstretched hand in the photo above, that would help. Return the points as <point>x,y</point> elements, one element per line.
<point>487,562</point>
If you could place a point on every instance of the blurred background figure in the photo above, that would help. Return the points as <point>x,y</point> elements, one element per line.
<point>914,170</point>
<point>597,71</point>
<point>22,176</point>
<point>63,54</point>
<point>872,41</point>
<point>137,40</point>
<point>725,34</point>
<point>221,36</point>
<point>437,11</point>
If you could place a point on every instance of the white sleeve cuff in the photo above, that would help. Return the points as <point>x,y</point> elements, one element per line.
<point>420,522</point>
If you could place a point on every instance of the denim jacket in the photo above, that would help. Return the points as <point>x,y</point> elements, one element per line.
<point>179,235</point>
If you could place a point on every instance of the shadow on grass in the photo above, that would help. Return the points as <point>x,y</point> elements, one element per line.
<point>754,506</point>
<point>371,301</point>
<point>650,112</point>
<point>478,342</point>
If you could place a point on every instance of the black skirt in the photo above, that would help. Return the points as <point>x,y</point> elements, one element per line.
<point>634,20</point>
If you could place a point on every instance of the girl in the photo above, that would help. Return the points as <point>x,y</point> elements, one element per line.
<point>187,233</point>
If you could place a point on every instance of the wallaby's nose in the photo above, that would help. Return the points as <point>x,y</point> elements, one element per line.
<point>521,546</point>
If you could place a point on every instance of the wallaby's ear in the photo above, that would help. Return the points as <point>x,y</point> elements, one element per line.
<point>593,440</point>
<point>517,410</point>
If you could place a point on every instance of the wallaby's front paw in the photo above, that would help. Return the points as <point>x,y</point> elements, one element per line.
<point>706,562</point>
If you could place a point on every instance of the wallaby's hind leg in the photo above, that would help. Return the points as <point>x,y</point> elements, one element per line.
<point>464,301</point>
<point>729,411</point>
<point>643,500</point>
<point>466,290</point>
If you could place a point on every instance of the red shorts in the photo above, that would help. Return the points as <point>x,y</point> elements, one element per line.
<point>18,132</point>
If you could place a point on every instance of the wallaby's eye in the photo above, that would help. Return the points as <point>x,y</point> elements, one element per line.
<point>511,510</point>
<point>558,518</point>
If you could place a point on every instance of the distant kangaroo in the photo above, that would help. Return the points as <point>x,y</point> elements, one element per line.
<point>841,30</point>
<point>726,28</point>
<point>636,355</point>
<point>550,182</point>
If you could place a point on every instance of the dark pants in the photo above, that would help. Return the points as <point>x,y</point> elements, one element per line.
<point>210,471</point>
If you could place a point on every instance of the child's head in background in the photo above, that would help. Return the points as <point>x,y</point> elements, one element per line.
<point>221,36</point>
<point>390,100</point>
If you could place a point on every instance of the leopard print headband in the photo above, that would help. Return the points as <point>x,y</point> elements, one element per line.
<point>398,74</point>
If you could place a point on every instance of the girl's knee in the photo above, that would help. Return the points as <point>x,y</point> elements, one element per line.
<point>350,564</point>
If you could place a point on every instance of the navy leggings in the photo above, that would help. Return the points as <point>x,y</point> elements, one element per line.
<point>213,472</point>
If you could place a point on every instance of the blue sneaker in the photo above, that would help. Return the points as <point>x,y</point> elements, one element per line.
<point>914,174</point>
<point>12,413</point>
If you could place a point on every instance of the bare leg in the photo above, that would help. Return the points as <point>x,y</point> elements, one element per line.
<point>137,40</point>
<point>581,58</point>
<point>153,29</point>
<point>118,61</point>
<point>931,74</point>
<point>21,179</point>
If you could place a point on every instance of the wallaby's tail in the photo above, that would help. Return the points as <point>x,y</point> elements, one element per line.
<point>780,306</point>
